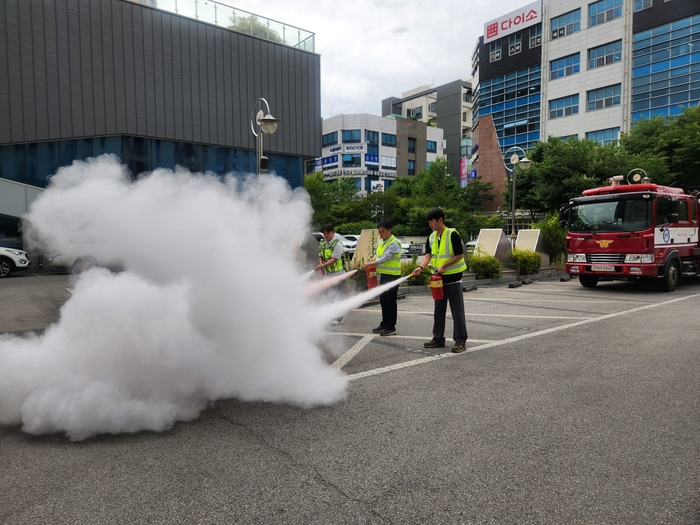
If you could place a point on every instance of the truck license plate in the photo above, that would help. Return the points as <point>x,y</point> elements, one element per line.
<point>602,268</point>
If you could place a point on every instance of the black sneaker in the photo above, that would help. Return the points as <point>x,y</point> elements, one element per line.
<point>458,348</point>
<point>434,343</point>
<point>378,330</point>
<point>388,331</point>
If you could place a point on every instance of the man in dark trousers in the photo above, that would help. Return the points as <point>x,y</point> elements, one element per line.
<point>444,253</point>
<point>388,264</point>
<point>330,260</point>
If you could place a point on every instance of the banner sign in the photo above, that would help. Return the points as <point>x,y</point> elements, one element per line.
<point>514,21</point>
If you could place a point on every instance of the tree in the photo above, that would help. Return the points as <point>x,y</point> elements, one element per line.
<point>251,25</point>
<point>670,146</point>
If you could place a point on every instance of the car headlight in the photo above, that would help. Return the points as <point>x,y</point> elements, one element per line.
<point>16,252</point>
<point>576,257</point>
<point>639,258</point>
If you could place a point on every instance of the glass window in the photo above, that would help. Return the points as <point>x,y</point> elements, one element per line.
<point>41,162</point>
<point>12,162</point>
<point>604,137</point>
<point>352,161</point>
<point>190,156</point>
<point>565,66</point>
<point>433,107</point>
<point>566,24</point>
<point>515,44</point>
<point>536,35</point>
<point>495,51</point>
<point>111,145</point>
<point>241,161</point>
<point>641,4</point>
<point>415,112</point>
<point>371,137</point>
<point>388,140</point>
<point>431,146</point>
<point>604,55</point>
<point>389,163</point>
<point>411,145</point>
<point>411,167</point>
<point>603,97</point>
<point>663,210</point>
<point>683,211</point>
<point>164,154</point>
<point>215,160</point>
<point>351,136</point>
<point>604,11</point>
<point>330,138</point>
<point>81,149</point>
<point>563,107</point>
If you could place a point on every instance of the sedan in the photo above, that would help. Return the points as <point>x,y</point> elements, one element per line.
<point>12,260</point>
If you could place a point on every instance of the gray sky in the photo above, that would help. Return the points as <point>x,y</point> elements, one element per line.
<point>374,49</point>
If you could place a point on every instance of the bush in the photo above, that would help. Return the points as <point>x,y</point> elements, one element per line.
<point>485,266</point>
<point>553,237</point>
<point>526,262</point>
<point>416,280</point>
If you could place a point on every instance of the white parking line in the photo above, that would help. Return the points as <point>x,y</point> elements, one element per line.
<point>489,315</point>
<point>400,336</point>
<point>354,350</point>
<point>407,364</point>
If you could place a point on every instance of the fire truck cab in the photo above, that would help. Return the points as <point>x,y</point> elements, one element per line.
<point>632,231</point>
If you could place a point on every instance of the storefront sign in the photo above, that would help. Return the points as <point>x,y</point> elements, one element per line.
<point>514,21</point>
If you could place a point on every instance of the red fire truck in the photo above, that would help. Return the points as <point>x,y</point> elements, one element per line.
<point>632,231</point>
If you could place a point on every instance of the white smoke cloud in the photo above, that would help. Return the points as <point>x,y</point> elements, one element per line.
<point>210,305</point>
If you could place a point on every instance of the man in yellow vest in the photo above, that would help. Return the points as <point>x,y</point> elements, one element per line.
<point>330,259</point>
<point>444,252</point>
<point>388,264</point>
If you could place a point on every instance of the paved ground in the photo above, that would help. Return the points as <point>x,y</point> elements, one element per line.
<point>570,406</point>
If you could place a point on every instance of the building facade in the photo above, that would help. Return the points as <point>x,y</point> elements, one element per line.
<point>448,107</point>
<point>155,88</point>
<point>374,150</point>
<point>579,68</point>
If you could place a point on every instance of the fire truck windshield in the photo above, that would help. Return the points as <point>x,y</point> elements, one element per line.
<point>611,216</point>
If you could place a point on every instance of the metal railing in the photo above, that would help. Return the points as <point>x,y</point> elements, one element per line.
<point>236,20</point>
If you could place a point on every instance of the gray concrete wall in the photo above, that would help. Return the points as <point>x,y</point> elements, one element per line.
<point>81,68</point>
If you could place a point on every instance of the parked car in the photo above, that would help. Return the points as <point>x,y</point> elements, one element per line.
<point>354,238</point>
<point>347,243</point>
<point>12,260</point>
<point>471,246</point>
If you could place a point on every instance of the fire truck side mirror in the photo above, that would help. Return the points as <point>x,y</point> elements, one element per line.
<point>673,218</point>
<point>674,206</point>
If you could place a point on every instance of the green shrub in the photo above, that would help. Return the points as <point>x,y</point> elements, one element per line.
<point>526,262</point>
<point>484,266</point>
<point>416,280</point>
<point>553,237</point>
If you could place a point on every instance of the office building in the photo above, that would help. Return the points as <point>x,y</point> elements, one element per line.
<point>375,150</point>
<point>448,107</point>
<point>596,67</point>
<point>155,87</point>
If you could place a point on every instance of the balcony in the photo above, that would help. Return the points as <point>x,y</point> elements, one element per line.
<point>236,20</point>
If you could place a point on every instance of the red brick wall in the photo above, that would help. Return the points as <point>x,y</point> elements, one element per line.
<point>489,165</point>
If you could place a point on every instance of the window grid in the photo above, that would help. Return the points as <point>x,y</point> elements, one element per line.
<point>515,44</point>
<point>604,97</point>
<point>604,137</point>
<point>351,136</point>
<point>605,54</point>
<point>388,140</point>
<point>411,167</point>
<point>411,145</point>
<point>566,24</point>
<point>641,4</point>
<point>330,138</point>
<point>666,69</point>
<point>563,107</point>
<point>564,66</point>
<point>604,11</point>
<point>431,146</point>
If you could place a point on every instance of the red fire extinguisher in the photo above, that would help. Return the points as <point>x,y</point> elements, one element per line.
<point>436,286</point>
<point>371,277</point>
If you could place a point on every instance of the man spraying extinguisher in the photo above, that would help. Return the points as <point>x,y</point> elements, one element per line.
<point>388,265</point>
<point>330,260</point>
<point>444,252</point>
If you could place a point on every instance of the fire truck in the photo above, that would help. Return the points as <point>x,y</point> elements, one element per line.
<point>632,231</point>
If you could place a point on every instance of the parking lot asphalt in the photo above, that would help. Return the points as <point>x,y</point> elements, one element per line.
<point>570,405</point>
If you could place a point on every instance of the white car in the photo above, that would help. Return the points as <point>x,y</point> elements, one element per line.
<point>347,243</point>
<point>12,260</point>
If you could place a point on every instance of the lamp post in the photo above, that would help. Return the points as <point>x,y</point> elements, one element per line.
<point>266,124</point>
<point>515,160</point>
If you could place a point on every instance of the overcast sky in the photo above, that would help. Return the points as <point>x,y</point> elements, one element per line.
<point>375,49</point>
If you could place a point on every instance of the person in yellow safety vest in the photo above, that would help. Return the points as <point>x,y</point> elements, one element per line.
<point>330,259</point>
<point>388,263</point>
<point>444,252</point>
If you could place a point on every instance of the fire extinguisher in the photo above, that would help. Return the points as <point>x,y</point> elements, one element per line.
<point>371,277</point>
<point>436,286</point>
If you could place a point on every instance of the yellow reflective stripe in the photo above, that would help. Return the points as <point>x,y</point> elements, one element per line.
<point>393,265</point>
<point>444,252</point>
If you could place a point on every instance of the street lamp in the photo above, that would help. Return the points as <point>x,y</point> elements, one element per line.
<point>266,123</point>
<point>524,163</point>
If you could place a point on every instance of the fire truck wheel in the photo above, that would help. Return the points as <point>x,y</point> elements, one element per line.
<point>670,279</point>
<point>588,281</point>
